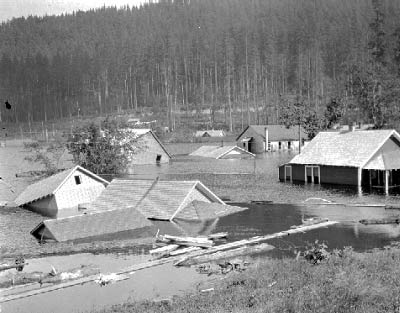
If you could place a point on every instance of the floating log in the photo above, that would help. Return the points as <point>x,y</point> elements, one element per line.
<point>257,239</point>
<point>220,255</point>
<point>4,267</point>
<point>261,201</point>
<point>184,250</point>
<point>187,241</point>
<point>220,235</point>
<point>163,251</point>
<point>390,220</point>
<point>392,207</point>
<point>311,221</point>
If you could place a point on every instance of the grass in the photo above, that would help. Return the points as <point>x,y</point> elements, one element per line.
<point>346,282</point>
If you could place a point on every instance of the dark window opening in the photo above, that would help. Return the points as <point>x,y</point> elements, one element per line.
<point>280,145</point>
<point>158,158</point>
<point>78,179</point>
<point>289,144</point>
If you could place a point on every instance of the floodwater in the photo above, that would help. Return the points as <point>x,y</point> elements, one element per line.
<point>238,180</point>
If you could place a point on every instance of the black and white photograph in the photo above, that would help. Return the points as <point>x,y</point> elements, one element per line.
<point>200,156</point>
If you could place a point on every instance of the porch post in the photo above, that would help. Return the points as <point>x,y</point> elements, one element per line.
<point>370,179</point>
<point>359,174</point>
<point>387,182</point>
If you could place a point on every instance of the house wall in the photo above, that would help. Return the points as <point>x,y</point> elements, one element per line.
<point>257,144</point>
<point>46,206</point>
<point>328,174</point>
<point>274,145</point>
<point>70,195</point>
<point>148,155</point>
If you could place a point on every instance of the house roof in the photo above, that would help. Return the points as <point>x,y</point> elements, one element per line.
<point>218,152</point>
<point>49,186</point>
<point>91,224</point>
<point>276,132</point>
<point>210,133</point>
<point>353,148</point>
<point>139,132</point>
<point>200,210</point>
<point>153,198</point>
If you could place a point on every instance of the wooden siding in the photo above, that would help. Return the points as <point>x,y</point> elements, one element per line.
<point>148,155</point>
<point>46,206</point>
<point>257,143</point>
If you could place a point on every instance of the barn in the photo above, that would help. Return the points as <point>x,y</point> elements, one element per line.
<point>369,158</point>
<point>152,150</point>
<point>62,193</point>
<point>222,152</point>
<point>278,137</point>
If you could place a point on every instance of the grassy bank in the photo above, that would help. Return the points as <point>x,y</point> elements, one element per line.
<point>346,282</point>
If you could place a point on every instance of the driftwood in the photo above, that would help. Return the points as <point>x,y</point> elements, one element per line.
<point>392,207</point>
<point>187,241</point>
<point>220,255</point>
<point>311,221</point>
<point>253,240</point>
<point>19,267</point>
<point>218,236</point>
<point>163,251</point>
<point>389,220</point>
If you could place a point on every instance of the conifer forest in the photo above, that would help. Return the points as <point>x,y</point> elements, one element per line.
<point>246,59</point>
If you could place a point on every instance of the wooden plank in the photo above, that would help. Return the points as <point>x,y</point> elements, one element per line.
<point>184,250</point>
<point>163,250</point>
<point>220,235</point>
<point>245,250</point>
<point>254,240</point>
<point>390,220</point>
<point>187,241</point>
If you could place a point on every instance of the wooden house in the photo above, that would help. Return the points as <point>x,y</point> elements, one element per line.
<point>159,200</point>
<point>369,158</point>
<point>62,192</point>
<point>209,133</point>
<point>222,152</point>
<point>152,151</point>
<point>262,138</point>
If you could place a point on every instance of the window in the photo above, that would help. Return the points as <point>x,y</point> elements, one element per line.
<point>78,179</point>
<point>279,145</point>
<point>289,145</point>
<point>288,173</point>
<point>158,158</point>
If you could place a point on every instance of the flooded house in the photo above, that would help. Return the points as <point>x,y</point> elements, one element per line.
<point>62,193</point>
<point>261,138</point>
<point>369,158</point>
<point>209,133</point>
<point>152,150</point>
<point>160,200</point>
<point>222,152</point>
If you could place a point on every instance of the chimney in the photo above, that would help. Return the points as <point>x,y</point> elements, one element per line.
<point>266,138</point>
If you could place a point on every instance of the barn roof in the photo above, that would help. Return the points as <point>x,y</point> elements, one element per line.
<point>153,198</point>
<point>51,184</point>
<point>91,224</point>
<point>218,152</point>
<point>210,133</point>
<point>139,132</point>
<point>353,148</point>
<point>276,132</point>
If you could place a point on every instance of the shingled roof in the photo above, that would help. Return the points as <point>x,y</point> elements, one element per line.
<point>140,132</point>
<point>277,132</point>
<point>352,148</point>
<point>154,199</point>
<point>50,185</point>
<point>218,152</point>
<point>90,225</point>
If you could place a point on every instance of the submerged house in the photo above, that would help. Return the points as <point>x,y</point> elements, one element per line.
<point>369,158</point>
<point>209,133</point>
<point>222,152</point>
<point>158,200</point>
<point>62,192</point>
<point>262,138</point>
<point>152,150</point>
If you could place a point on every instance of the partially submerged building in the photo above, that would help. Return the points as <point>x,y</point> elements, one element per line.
<point>151,150</point>
<point>62,192</point>
<point>93,224</point>
<point>209,133</point>
<point>156,199</point>
<point>368,158</point>
<point>222,152</point>
<point>261,138</point>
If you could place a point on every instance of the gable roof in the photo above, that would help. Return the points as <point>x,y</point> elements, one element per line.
<point>49,186</point>
<point>139,132</point>
<point>210,133</point>
<point>276,132</point>
<point>218,152</point>
<point>91,224</point>
<point>353,149</point>
<point>200,210</point>
<point>153,198</point>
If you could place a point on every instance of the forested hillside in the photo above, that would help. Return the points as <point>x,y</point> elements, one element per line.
<point>246,58</point>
